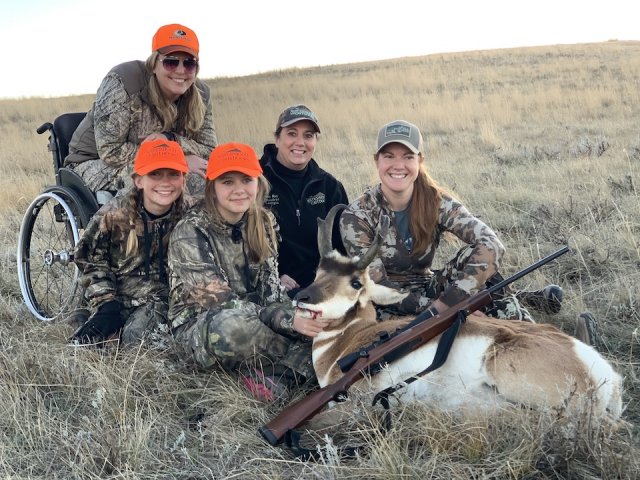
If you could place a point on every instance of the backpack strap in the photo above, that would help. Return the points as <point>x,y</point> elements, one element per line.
<point>442,352</point>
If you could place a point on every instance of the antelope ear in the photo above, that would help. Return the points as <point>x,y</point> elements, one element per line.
<point>385,295</point>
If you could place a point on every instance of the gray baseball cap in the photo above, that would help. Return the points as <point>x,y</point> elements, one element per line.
<point>400,131</point>
<point>297,113</point>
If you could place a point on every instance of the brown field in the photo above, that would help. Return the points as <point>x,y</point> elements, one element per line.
<point>542,143</point>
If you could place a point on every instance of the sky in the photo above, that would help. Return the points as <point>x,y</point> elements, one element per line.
<point>65,47</point>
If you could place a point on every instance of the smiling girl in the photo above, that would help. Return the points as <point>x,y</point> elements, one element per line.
<point>122,252</point>
<point>227,307</point>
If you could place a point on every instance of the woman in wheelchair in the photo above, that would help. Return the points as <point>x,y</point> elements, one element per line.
<point>122,253</point>
<point>157,99</point>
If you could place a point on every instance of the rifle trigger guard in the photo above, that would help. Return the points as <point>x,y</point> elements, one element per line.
<point>341,396</point>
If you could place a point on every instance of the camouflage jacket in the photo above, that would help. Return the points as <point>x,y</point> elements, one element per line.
<point>209,271</point>
<point>120,118</point>
<point>394,263</point>
<point>107,273</point>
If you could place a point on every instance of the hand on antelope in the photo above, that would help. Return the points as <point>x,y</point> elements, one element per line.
<point>308,323</point>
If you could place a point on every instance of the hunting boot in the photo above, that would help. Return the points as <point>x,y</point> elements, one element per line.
<point>587,329</point>
<point>77,317</point>
<point>548,300</point>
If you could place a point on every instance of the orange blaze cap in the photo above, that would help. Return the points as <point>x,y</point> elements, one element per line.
<point>156,154</point>
<point>175,38</point>
<point>233,157</point>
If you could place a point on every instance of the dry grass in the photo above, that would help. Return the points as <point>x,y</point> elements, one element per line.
<point>541,142</point>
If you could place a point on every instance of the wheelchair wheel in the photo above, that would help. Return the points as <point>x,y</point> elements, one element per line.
<point>46,272</point>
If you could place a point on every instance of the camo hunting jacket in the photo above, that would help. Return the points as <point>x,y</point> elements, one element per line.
<point>122,116</point>
<point>108,273</point>
<point>395,264</point>
<point>209,271</point>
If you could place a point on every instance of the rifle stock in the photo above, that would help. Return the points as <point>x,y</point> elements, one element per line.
<point>415,336</point>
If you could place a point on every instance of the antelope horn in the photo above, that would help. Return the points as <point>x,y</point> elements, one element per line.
<point>371,253</point>
<point>325,230</point>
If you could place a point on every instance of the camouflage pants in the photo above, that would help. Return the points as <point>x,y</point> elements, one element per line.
<point>144,320</point>
<point>238,341</point>
<point>505,305</point>
<point>99,176</point>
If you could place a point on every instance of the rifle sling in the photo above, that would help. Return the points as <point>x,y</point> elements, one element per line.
<point>442,352</point>
<point>292,441</point>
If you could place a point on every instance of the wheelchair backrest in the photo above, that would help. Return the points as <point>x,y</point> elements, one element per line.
<point>61,132</point>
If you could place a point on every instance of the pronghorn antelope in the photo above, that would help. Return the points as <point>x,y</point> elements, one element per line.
<point>492,362</point>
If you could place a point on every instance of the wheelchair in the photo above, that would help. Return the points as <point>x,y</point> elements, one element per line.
<point>51,229</point>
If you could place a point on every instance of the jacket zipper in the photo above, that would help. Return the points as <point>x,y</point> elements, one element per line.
<point>304,189</point>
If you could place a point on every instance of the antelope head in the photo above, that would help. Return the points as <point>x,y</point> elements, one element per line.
<point>342,284</point>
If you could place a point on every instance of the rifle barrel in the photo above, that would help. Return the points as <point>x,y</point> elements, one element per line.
<point>529,269</point>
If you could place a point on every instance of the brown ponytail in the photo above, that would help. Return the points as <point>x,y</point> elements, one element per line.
<point>425,202</point>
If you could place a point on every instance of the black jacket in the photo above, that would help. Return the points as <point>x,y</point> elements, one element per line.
<point>298,254</point>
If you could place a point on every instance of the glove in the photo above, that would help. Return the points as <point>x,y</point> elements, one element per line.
<point>106,321</point>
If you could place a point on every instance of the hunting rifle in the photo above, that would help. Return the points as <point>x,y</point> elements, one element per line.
<point>369,358</point>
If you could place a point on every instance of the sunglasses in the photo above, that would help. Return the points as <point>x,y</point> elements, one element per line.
<point>170,64</point>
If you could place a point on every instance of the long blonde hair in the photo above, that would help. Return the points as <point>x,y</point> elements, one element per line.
<point>261,235</point>
<point>185,116</point>
<point>135,205</point>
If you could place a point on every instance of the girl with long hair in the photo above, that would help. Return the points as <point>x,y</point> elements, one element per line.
<point>227,306</point>
<point>123,251</point>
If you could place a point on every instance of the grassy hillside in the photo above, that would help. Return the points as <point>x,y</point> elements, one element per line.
<point>542,143</point>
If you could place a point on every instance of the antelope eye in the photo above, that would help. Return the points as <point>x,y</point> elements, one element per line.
<point>356,284</point>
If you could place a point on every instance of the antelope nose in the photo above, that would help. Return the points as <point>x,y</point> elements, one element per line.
<point>301,297</point>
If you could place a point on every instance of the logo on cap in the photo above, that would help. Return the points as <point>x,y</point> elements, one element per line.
<point>300,112</point>
<point>397,129</point>
<point>156,154</point>
<point>297,113</point>
<point>161,149</point>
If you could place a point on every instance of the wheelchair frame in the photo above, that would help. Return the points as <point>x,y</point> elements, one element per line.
<point>51,229</point>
